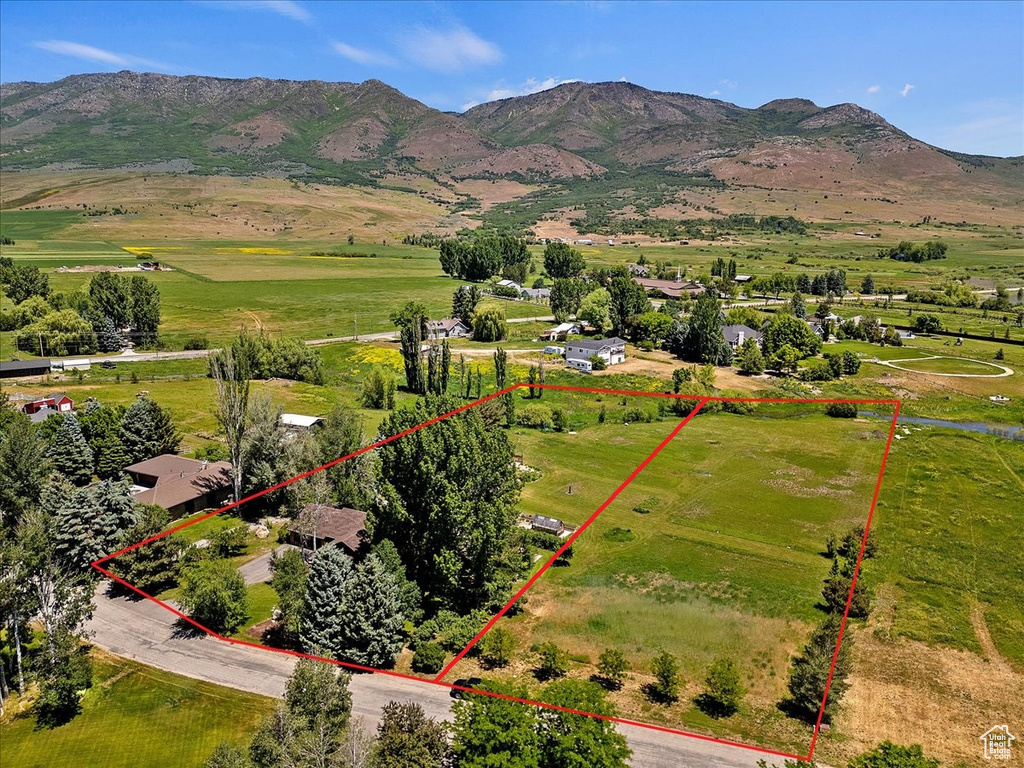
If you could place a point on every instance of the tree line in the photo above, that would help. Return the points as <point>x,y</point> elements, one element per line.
<point>114,308</point>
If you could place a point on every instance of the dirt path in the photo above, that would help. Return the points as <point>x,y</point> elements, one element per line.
<point>991,653</point>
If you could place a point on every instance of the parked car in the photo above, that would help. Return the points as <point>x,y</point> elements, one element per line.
<point>108,364</point>
<point>464,682</point>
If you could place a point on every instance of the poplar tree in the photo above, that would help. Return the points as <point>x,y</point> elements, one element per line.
<point>70,452</point>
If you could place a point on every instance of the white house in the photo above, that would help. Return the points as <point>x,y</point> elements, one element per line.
<point>297,422</point>
<point>449,328</point>
<point>578,353</point>
<point>510,284</point>
<point>560,332</point>
<point>735,335</point>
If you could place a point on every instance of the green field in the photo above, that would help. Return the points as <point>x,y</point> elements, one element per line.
<point>727,561</point>
<point>137,717</point>
<point>951,366</point>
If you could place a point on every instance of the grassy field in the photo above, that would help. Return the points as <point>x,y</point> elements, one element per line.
<point>137,717</point>
<point>728,560</point>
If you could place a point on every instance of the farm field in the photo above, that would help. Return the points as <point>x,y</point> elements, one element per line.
<point>714,550</point>
<point>134,716</point>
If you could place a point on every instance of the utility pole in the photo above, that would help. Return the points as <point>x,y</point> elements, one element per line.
<point>355,325</point>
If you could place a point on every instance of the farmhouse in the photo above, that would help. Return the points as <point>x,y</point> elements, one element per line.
<point>510,284</point>
<point>296,423</point>
<point>578,353</point>
<point>345,527</point>
<point>179,484</point>
<point>449,328</point>
<point>638,270</point>
<point>735,335</point>
<point>560,332</point>
<point>10,369</point>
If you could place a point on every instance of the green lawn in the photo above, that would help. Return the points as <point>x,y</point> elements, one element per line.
<point>951,365</point>
<point>137,717</point>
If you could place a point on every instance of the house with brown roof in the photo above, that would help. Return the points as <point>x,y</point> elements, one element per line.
<point>318,524</point>
<point>670,289</point>
<point>179,484</point>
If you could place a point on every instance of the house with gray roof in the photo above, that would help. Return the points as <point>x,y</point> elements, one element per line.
<point>578,353</point>
<point>735,335</point>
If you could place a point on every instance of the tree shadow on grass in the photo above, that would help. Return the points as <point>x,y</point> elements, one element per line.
<point>712,707</point>
<point>658,697</point>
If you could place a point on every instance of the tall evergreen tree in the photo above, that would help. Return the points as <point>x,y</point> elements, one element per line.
<point>809,673</point>
<point>329,577</point>
<point>371,617</point>
<point>153,565</point>
<point>107,337</point>
<point>70,452</point>
<point>147,431</point>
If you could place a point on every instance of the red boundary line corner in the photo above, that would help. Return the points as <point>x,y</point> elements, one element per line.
<point>438,680</point>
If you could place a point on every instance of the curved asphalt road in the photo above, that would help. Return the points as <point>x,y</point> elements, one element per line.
<point>143,631</point>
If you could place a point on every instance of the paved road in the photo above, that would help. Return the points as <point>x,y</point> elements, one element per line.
<point>143,631</point>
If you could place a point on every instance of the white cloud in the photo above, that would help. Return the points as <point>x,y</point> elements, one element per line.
<point>450,50</point>
<point>363,56</point>
<point>531,85</point>
<point>287,8</point>
<point>726,83</point>
<point>874,88</point>
<point>716,92</point>
<point>91,53</point>
<point>906,89</point>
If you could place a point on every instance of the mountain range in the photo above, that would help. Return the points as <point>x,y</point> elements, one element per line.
<point>371,134</point>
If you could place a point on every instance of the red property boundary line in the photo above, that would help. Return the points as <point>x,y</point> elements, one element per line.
<point>701,401</point>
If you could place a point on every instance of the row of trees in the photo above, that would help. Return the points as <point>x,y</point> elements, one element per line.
<point>486,256</point>
<point>831,283</point>
<point>80,322</point>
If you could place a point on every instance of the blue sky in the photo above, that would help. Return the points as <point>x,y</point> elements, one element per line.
<point>951,74</point>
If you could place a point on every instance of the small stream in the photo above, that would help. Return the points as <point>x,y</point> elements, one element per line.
<point>985,428</point>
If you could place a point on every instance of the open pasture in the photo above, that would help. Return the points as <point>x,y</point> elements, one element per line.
<point>715,549</point>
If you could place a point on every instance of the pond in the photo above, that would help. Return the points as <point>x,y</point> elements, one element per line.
<point>984,427</point>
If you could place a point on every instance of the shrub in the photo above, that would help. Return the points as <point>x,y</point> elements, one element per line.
<point>535,415</point>
<point>197,341</point>
<point>497,647</point>
<point>560,420</point>
<point>429,658</point>
<point>378,390</point>
<point>554,662</point>
<point>637,415</point>
<point>542,540</point>
<point>723,689</point>
<point>612,668</point>
<point>598,362</point>
<point>666,671</point>
<point>841,410</point>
